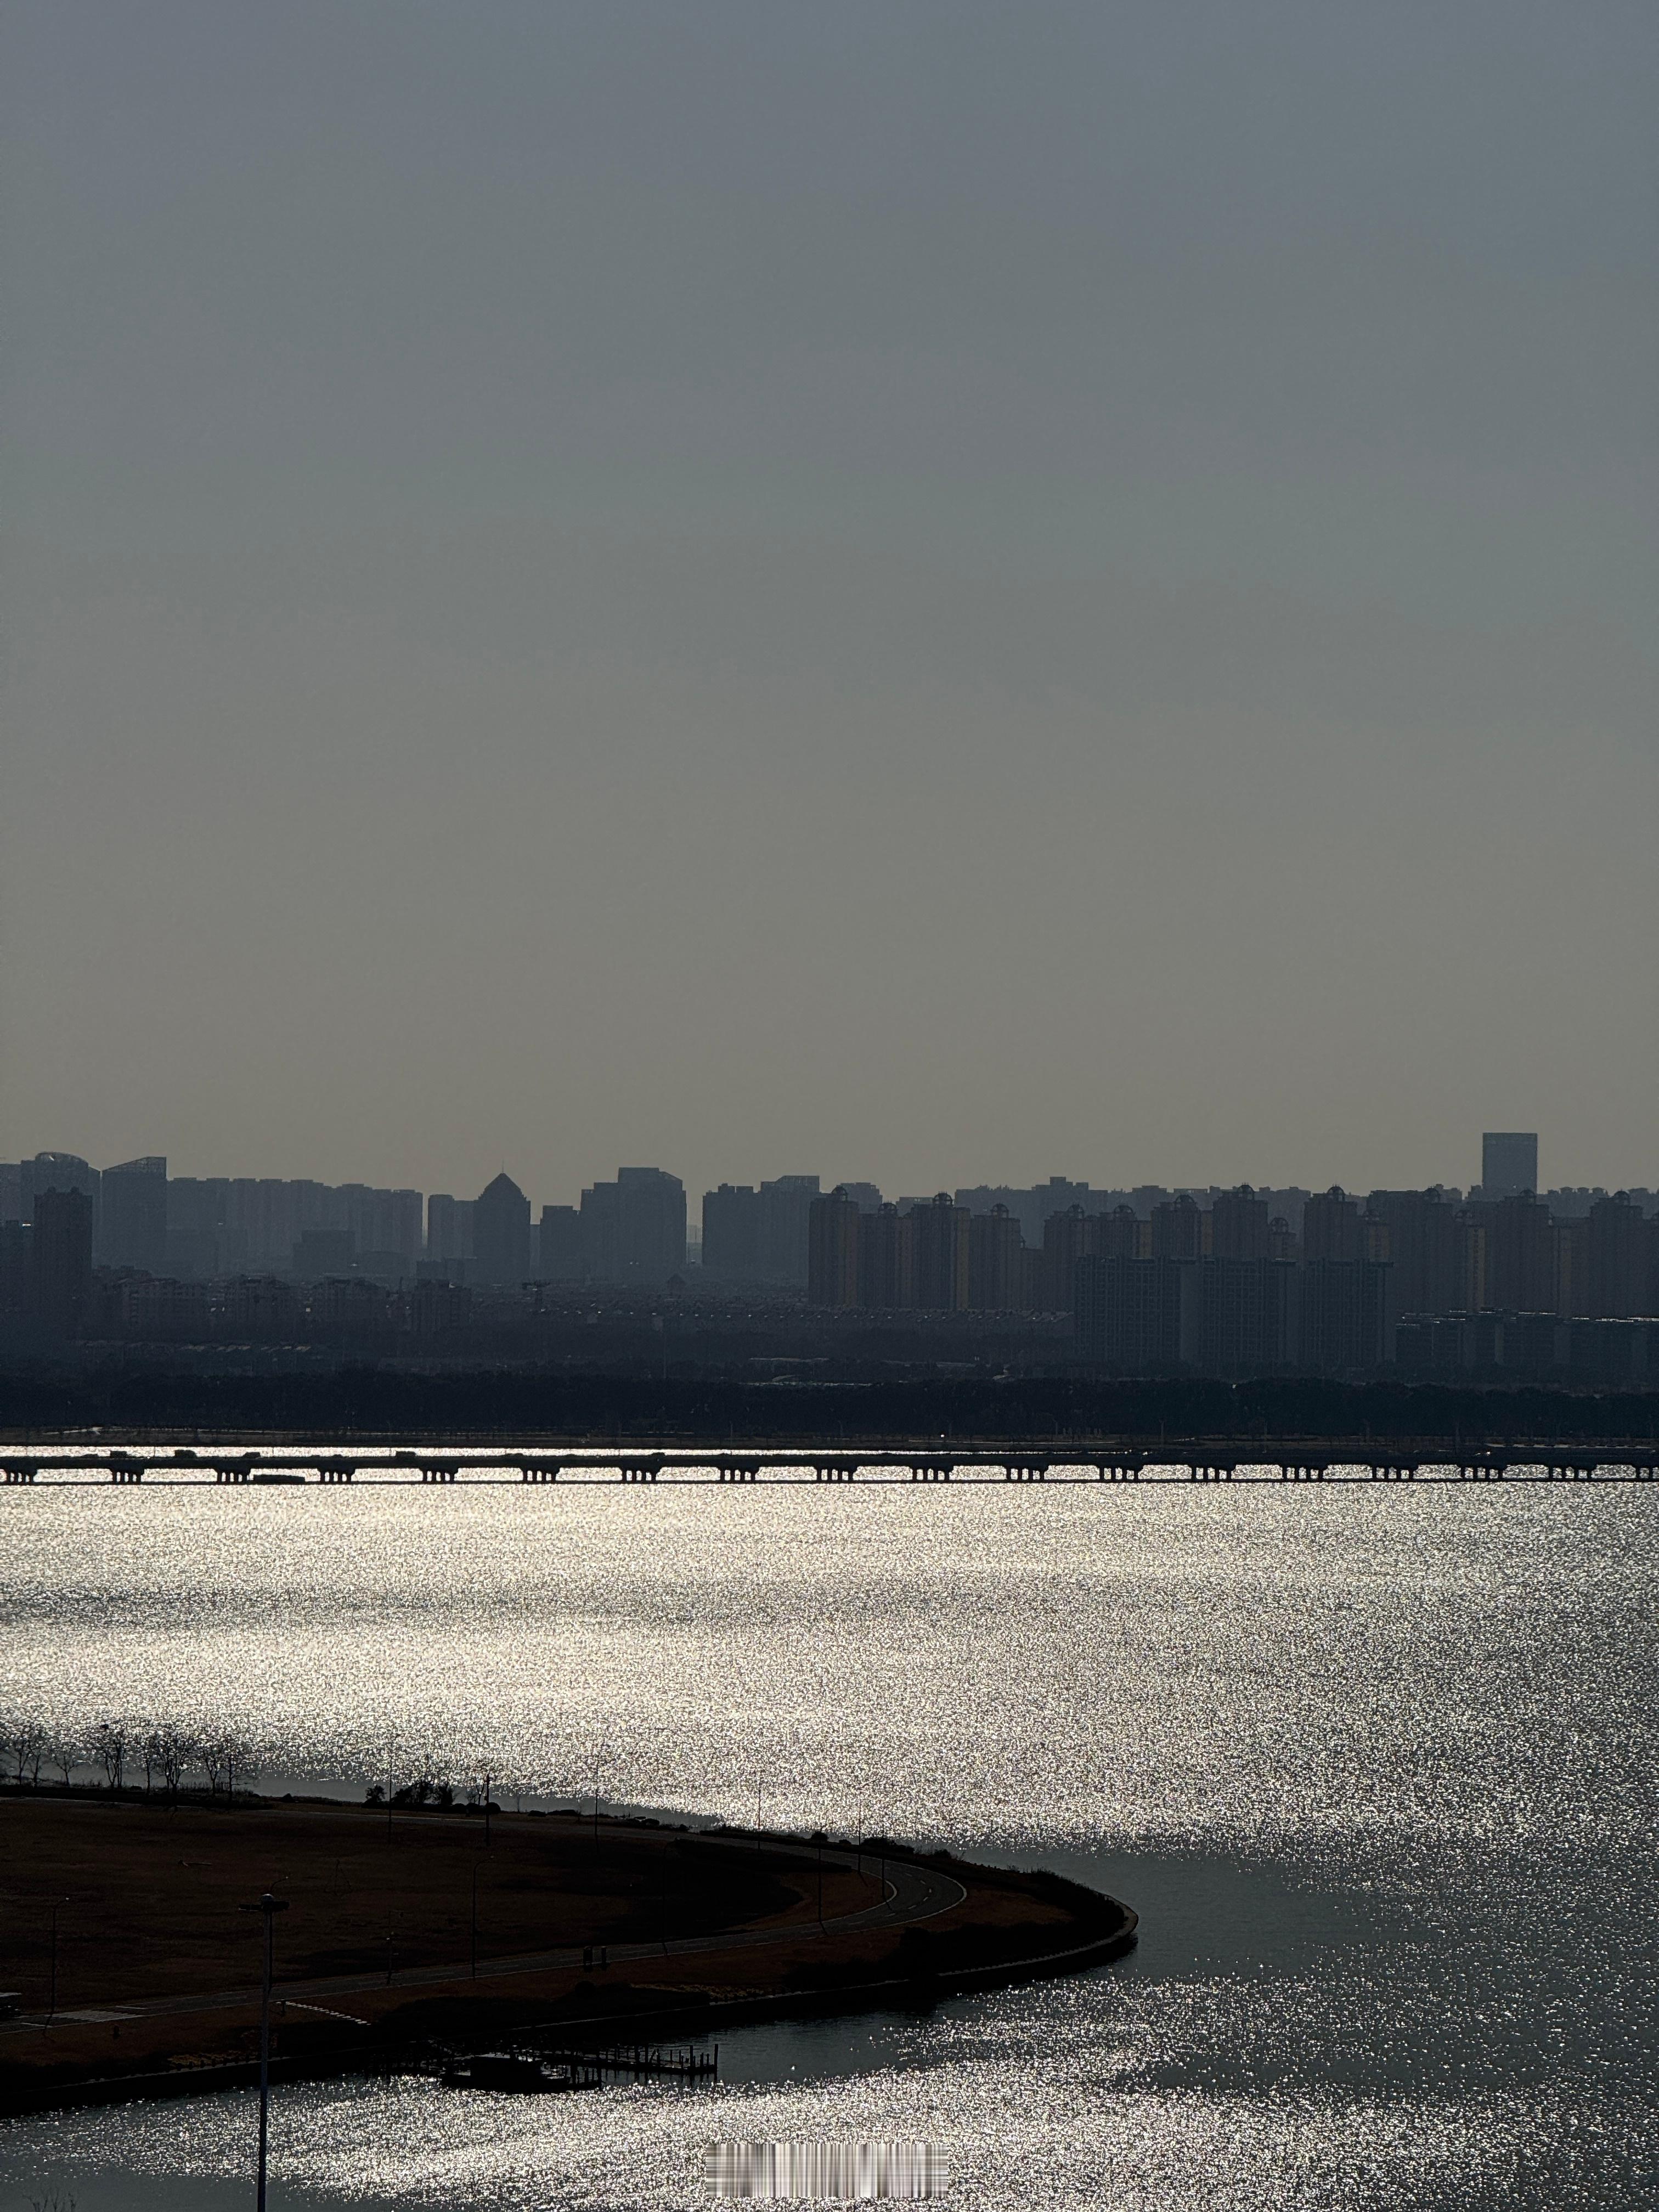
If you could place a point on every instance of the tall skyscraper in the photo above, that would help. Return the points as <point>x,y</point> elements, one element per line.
<point>1129,1314</point>
<point>561,1250</point>
<point>1618,1244</point>
<point>731,1233</point>
<point>61,1255</point>
<point>1423,1246</point>
<point>1520,1272</point>
<point>449,1232</point>
<point>501,1233</point>
<point>1178,1230</point>
<point>1333,1227</point>
<point>1238,1225</point>
<point>995,1254</point>
<point>1238,1316</point>
<point>887,1277</point>
<point>1509,1163</point>
<point>1067,1237</point>
<point>832,1251</point>
<point>1344,1318</point>
<point>940,1231</point>
<point>634,1228</point>
<point>785,1207</point>
<point>133,1227</point>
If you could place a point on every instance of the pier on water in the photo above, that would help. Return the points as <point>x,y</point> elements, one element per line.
<point>1254,1461</point>
<point>634,2062</point>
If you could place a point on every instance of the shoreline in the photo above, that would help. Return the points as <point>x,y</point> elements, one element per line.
<point>764,1926</point>
<point>895,1993</point>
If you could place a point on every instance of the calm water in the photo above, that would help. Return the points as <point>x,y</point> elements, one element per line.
<point>1378,1769</point>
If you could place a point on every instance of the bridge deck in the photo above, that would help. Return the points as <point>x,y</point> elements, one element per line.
<point>1253,1462</point>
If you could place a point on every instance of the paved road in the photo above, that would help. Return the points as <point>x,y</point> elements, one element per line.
<point>912,1893</point>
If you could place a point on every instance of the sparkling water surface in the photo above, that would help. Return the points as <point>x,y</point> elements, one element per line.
<point>1377,1767</point>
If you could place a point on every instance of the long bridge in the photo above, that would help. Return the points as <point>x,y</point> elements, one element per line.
<point>1252,1462</point>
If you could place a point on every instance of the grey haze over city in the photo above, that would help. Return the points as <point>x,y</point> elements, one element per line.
<point>939,594</point>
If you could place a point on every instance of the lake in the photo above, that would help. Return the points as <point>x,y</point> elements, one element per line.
<point>1376,1765</point>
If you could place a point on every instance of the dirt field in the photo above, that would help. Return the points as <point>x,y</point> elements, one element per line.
<point>149,1899</point>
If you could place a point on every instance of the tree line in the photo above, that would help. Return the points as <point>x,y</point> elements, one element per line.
<point>121,1750</point>
<point>390,1404</point>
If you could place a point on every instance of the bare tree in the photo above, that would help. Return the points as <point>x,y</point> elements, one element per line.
<point>150,1752</point>
<point>173,1755</point>
<point>244,1762</point>
<point>109,1745</point>
<point>210,1751</point>
<point>28,1745</point>
<point>65,1755</point>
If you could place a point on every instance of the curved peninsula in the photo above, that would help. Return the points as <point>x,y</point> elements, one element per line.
<point>418,1933</point>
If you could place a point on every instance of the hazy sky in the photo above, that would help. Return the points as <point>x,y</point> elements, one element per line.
<point>933,592</point>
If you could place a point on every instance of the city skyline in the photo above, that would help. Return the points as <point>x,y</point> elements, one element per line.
<point>1479,1154</point>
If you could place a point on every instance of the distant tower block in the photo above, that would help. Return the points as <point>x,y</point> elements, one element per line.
<point>1508,1162</point>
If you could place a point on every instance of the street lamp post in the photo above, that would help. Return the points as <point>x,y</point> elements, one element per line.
<point>51,1999</point>
<point>270,1906</point>
<point>475,1919</point>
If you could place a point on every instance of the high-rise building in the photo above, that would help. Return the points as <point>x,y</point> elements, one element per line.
<point>60,1258</point>
<point>1238,1225</point>
<point>201,1242</point>
<point>501,1233</point>
<point>1178,1229</point>
<point>133,1226</point>
<point>1129,1314</point>
<point>785,1207</point>
<point>832,1250</point>
<point>1345,1318</point>
<point>1509,1163</point>
<point>731,1233</point>
<point>940,1231</point>
<point>887,1261</point>
<point>55,1171</point>
<point>864,1195</point>
<point>16,1270</point>
<point>1333,1227</point>
<point>449,1232</point>
<point>1521,1259</point>
<point>1067,1237</point>
<point>995,1251</point>
<point>1423,1247</point>
<point>1239,1316</point>
<point>1617,1262</point>
<point>561,1251</point>
<point>634,1228</point>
